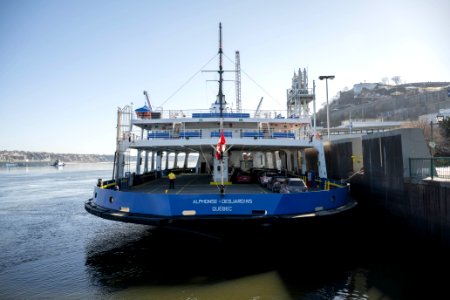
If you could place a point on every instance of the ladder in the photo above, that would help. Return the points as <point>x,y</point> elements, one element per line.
<point>264,129</point>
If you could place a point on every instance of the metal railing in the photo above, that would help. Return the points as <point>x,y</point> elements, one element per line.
<point>244,113</point>
<point>432,167</point>
<point>214,133</point>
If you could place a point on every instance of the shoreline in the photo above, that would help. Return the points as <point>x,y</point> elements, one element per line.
<point>46,163</point>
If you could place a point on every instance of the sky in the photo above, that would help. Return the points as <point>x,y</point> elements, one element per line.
<point>66,66</point>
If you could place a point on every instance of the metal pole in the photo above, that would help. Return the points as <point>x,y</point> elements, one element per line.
<point>314,107</point>
<point>328,111</point>
<point>431,168</point>
<point>220,72</point>
<point>432,139</point>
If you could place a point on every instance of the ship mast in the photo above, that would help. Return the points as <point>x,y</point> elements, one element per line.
<point>220,95</point>
<point>221,99</point>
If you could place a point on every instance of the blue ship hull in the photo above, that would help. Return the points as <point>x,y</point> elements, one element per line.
<point>158,209</point>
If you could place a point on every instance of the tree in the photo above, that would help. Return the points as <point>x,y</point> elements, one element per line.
<point>396,79</point>
<point>445,127</point>
<point>385,80</point>
<point>443,145</point>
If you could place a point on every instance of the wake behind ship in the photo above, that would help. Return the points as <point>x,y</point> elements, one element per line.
<point>255,166</point>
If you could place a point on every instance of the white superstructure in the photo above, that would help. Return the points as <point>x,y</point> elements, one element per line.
<point>254,139</point>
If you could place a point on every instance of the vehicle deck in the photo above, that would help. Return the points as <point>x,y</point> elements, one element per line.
<point>195,184</point>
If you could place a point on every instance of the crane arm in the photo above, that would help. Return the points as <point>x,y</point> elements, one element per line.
<point>148,100</point>
<point>258,108</point>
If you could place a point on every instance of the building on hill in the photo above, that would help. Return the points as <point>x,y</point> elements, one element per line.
<point>357,88</point>
<point>432,117</point>
<point>405,102</point>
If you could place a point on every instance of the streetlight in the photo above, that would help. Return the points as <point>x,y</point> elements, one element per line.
<point>331,77</point>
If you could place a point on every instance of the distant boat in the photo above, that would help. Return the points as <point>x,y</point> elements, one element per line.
<point>58,163</point>
<point>10,163</point>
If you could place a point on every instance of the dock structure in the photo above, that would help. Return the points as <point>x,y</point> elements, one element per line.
<point>389,178</point>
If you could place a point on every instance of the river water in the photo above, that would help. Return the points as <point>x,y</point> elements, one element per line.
<point>51,248</point>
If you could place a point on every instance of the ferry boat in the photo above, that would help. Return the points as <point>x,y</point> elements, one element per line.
<point>226,142</point>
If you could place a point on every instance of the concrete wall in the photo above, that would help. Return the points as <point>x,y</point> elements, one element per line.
<point>424,206</point>
<point>338,158</point>
<point>428,209</point>
<point>384,149</point>
<point>343,157</point>
<point>383,169</point>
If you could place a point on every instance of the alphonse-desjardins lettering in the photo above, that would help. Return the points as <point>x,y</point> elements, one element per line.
<point>236,201</point>
<point>223,201</point>
<point>204,201</point>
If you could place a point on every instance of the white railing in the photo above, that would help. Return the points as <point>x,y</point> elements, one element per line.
<point>231,133</point>
<point>205,113</point>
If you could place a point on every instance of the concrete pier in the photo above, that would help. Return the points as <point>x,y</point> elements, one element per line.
<point>423,206</point>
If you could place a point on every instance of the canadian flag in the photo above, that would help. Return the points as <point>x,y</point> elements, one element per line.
<point>220,149</point>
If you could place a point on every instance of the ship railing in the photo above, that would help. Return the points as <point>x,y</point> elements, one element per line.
<point>270,134</point>
<point>328,184</point>
<point>109,184</point>
<point>228,133</point>
<point>301,91</point>
<point>227,113</point>
<point>434,168</point>
<point>120,184</point>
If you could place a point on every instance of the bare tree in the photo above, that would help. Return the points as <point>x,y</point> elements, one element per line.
<point>445,127</point>
<point>437,136</point>
<point>385,80</point>
<point>396,79</point>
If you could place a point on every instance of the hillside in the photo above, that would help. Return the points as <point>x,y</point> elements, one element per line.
<point>43,157</point>
<point>404,102</point>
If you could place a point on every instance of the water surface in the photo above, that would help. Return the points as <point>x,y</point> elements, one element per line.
<point>50,247</point>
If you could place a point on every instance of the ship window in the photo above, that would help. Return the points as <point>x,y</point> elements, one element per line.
<point>95,195</point>
<point>111,199</point>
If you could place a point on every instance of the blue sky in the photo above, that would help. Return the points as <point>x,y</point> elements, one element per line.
<point>65,66</point>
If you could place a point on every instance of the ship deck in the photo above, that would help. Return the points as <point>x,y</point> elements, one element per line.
<point>195,184</point>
